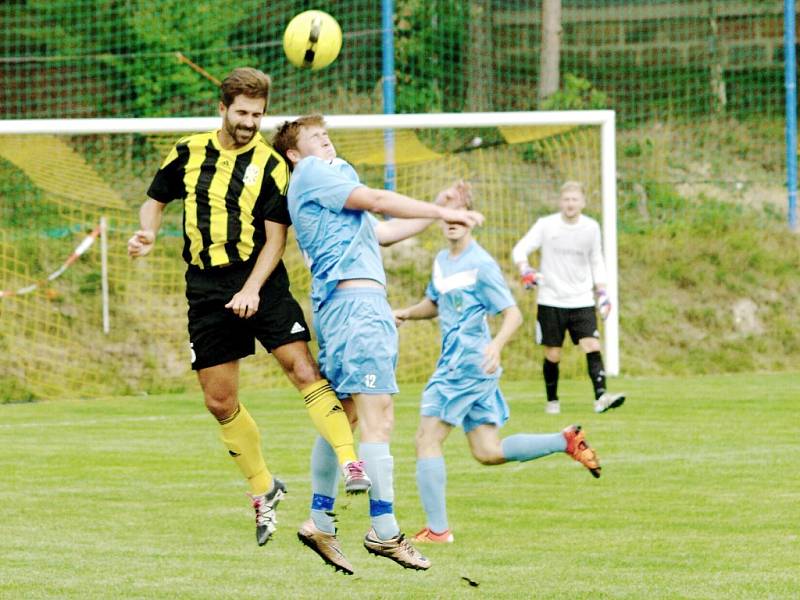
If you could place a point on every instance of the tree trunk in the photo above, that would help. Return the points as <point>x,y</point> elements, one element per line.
<point>720,97</point>
<point>479,62</point>
<point>551,49</point>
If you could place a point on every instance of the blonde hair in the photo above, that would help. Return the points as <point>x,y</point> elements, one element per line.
<point>570,186</point>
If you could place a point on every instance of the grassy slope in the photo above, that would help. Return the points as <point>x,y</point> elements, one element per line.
<point>132,498</point>
<point>692,244</point>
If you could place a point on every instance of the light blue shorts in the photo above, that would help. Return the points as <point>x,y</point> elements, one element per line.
<point>357,342</point>
<point>466,402</point>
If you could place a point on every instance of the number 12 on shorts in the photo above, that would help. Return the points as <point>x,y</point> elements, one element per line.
<point>369,380</point>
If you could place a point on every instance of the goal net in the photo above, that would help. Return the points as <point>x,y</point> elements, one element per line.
<point>59,178</point>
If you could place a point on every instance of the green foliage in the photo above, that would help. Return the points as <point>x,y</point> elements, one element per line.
<point>576,93</point>
<point>137,50</point>
<point>430,45</point>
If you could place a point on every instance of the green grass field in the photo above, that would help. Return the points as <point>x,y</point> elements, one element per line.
<point>136,498</point>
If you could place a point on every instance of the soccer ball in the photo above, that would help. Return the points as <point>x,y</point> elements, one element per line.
<point>312,40</point>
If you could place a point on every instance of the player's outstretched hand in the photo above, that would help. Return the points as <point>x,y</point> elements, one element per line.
<point>400,316</point>
<point>603,304</point>
<point>457,195</point>
<point>244,303</point>
<point>141,243</point>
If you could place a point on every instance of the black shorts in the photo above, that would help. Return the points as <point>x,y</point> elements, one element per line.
<point>552,322</point>
<point>217,335</point>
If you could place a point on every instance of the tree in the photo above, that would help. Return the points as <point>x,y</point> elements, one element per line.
<point>551,49</point>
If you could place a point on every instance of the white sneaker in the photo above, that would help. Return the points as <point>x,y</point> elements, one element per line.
<point>264,506</point>
<point>355,477</point>
<point>608,401</point>
<point>552,407</point>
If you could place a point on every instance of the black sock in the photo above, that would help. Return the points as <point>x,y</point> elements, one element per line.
<point>550,371</point>
<point>596,373</point>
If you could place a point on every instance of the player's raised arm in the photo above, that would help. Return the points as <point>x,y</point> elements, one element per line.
<point>396,230</point>
<point>150,216</point>
<point>387,202</point>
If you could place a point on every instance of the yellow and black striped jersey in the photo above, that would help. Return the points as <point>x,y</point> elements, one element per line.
<point>227,195</point>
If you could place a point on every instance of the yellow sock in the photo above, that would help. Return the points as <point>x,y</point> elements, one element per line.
<point>330,419</point>
<point>240,435</point>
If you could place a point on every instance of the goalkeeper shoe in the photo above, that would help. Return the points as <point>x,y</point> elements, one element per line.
<point>552,407</point>
<point>326,545</point>
<point>264,505</point>
<point>578,449</point>
<point>426,536</point>
<point>355,477</point>
<point>608,401</point>
<point>397,549</point>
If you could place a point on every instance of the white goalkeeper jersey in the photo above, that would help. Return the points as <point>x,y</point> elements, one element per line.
<point>571,259</point>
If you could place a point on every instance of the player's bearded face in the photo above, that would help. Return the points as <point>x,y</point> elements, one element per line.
<point>242,134</point>
<point>242,119</point>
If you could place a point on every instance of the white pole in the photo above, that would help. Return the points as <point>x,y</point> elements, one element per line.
<point>609,197</point>
<point>104,272</point>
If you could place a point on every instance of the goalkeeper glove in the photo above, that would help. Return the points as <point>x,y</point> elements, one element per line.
<point>530,277</point>
<point>603,304</point>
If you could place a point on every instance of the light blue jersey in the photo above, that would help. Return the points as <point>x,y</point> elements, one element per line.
<point>336,242</point>
<point>466,289</point>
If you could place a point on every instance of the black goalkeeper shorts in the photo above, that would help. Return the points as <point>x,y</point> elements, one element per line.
<point>217,335</point>
<point>552,322</point>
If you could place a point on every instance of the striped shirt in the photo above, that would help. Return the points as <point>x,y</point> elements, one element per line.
<point>227,196</point>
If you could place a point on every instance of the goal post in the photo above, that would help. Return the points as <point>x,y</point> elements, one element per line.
<point>516,161</point>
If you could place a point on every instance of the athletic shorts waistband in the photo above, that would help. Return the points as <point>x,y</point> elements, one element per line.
<point>358,291</point>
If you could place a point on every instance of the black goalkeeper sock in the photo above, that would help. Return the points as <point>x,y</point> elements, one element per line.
<point>550,371</point>
<point>596,373</point>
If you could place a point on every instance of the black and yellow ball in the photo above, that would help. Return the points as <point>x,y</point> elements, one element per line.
<point>312,40</point>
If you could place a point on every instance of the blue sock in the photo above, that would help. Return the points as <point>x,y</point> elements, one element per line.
<point>379,465</point>
<point>432,485</point>
<point>324,484</point>
<point>527,446</point>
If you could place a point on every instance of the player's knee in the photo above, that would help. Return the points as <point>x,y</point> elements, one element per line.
<point>220,404</point>
<point>305,372</point>
<point>377,428</point>
<point>590,344</point>
<point>488,456</point>
<point>553,354</point>
<point>425,443</point>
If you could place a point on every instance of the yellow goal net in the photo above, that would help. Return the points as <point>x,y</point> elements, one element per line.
<point>107,325</point>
